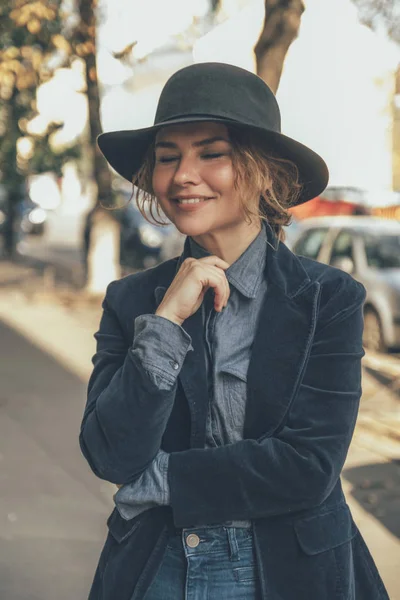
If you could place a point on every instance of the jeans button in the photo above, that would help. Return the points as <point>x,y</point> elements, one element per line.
<point>193,540</point>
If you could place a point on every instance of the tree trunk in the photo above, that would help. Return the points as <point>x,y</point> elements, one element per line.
<point>215,5</point>
<point>98,269</point>
<point>101,171</point>
<point>281,27</point>
<point>103,253</point>
<point>10,233</point>
<point>14,182</point>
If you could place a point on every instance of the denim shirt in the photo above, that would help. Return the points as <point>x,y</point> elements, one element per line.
<point>160,347</point>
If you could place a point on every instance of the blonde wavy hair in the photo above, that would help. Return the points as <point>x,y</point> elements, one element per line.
<point>257,172</point>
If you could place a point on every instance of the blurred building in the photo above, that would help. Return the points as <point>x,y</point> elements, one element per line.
<point>334,201</point>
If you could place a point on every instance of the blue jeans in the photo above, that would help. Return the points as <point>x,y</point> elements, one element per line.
<point>217,563</point>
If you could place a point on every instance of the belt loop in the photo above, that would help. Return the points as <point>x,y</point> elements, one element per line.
<point>233,545</point>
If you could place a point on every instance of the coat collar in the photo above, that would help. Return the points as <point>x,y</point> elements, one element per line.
<point>280,348</point>
<point>246,273</point>
<point>282,268</point>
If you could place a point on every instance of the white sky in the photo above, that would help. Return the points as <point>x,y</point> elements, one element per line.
<point>149,22</point>
<point>333,94</point>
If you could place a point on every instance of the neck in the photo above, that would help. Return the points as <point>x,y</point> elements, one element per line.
<point>230,244</point>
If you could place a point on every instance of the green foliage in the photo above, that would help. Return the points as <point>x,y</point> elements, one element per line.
<point>31,38</point>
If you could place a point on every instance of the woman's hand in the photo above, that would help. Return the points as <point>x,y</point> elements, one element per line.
<point>187,290</point>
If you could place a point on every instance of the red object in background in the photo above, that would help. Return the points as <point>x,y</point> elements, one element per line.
<point>318,207</point>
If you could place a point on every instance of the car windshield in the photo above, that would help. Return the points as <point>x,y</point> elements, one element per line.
<point>383,251</point>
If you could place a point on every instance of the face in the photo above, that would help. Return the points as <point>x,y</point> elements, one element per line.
<point>194,180</point>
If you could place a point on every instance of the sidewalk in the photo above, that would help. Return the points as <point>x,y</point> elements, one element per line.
<point>381,411</point>
<point>62,324</point>
<point>46,314</point>
<point>59,320</point>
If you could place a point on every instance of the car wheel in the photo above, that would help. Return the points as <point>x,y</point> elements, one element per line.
<point>373,335</point>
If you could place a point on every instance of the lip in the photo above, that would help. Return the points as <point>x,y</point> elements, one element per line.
<point>191,207</point>
<point>189,197</point>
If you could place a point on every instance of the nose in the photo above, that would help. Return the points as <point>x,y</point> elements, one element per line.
<point>186,172</point>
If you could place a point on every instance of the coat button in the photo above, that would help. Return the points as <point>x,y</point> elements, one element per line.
<point>193,540</point>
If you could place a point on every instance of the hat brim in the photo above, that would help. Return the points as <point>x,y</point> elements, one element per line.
<point>126,150</point>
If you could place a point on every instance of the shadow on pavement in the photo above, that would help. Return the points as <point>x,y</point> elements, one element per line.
<point>46,398</point>
<point>52,509</point>
<point>377,488</point>
<point>26,270</point>
<point>14,274</point>
<point>383,380</point>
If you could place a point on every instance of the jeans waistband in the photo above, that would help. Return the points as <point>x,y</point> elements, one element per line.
<point>226,524</point>
<point>209,540</point>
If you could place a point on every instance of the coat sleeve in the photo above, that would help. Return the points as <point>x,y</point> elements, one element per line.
<point>298,467</point>
<point>131,391</point>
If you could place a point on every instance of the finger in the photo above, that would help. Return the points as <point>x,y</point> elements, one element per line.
<point>225,293</point>
<point>221,287</point>
<point>220,295</point>
<point>215,261</point>
<point>210,272</point>
<point>219,284</point>
<point>219,263</point>
<point>228,292</point>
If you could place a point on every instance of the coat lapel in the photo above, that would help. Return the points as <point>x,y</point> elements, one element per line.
<point>193,375</point>
<point>279,353</point>
<point>282,342</point>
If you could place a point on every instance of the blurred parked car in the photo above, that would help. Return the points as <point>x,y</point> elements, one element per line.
<point>172,245</point>
<point>291,232</point>
<point>33,218</point>
<point>141,241</point>
<point>30,218</point>
<point>369,249</point>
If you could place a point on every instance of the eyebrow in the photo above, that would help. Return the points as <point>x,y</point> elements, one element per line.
<point>205,142</point>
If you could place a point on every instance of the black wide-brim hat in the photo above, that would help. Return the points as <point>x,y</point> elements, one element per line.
<point>225,94</point>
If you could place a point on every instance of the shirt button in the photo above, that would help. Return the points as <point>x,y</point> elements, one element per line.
<point>175,366</point>
<point>193,540</point>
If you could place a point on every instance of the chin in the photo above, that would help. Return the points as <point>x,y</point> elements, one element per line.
<point>192,229</point>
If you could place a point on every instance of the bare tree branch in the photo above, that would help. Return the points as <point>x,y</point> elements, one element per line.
<point>372,12</point>
<point>86,35</point>
<point>281,27</point>
<point>215,5</point>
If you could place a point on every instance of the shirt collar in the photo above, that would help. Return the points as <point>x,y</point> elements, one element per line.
<point>246,273</point>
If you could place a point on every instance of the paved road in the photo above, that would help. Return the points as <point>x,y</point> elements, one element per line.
<point>52,510</point>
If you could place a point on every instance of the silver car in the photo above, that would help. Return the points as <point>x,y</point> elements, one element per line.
<point>369,249</point>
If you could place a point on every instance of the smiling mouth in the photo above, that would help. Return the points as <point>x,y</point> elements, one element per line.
<point>191,200</point>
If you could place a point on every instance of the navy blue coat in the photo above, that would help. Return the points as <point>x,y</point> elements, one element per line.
<point>304,387</point>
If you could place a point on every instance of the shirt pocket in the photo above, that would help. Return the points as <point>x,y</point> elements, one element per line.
<point>235,396</point>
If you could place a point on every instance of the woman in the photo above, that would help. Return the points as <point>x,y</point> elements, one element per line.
<point>226,383</point>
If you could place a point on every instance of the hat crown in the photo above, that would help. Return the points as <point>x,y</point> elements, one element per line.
<point>221,91</point>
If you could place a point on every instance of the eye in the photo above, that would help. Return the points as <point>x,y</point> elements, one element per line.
<point>213,155</point>
<point>166,159</point>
